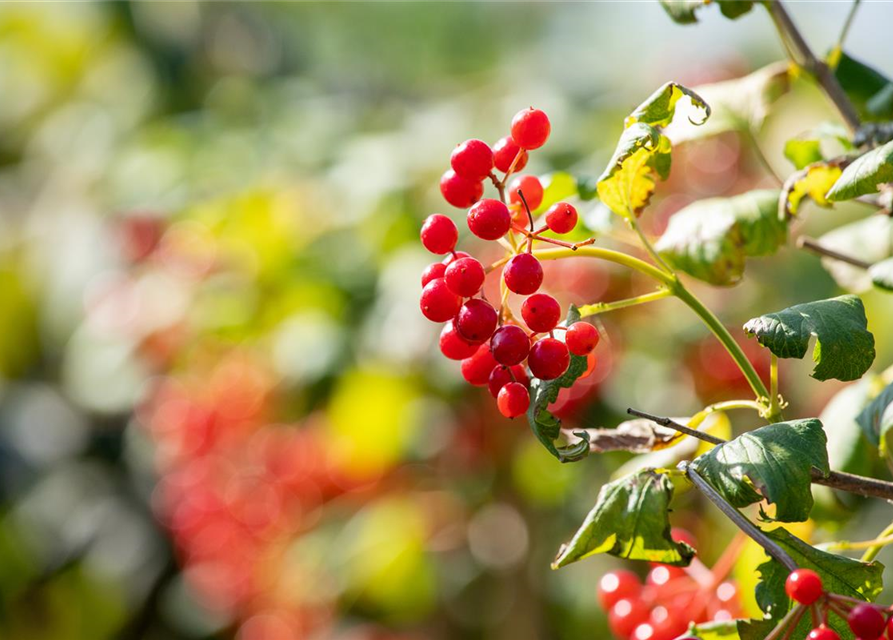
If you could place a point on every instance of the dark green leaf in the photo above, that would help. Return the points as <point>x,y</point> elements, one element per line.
<point>869,239</point>
<point>841,575</point>
<point>710,239</point>
<point>660,107</point>
<point>683,11</point>
<point>629,520</point>
<point>882,274</point>
<point>876,421</point>
<point>773,462</point>
<point>864,174</point>
<point>844,347</point>
<point>865,87</point>
<point>741,104</point>
<point>546,427</point>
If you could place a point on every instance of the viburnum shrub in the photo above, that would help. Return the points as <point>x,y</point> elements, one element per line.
<point>525,348</point>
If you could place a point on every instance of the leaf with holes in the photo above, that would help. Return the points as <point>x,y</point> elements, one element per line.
<point>629,520</point>
<point>773,462</point>
<point>844,347</point>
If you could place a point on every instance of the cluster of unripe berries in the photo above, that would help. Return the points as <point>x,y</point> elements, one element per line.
<point>866,621</point>
<point>668,602</point>
<point>491,345</point>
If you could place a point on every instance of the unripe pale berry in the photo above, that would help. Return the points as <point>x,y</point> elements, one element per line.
<point>581,338</point>
<point>433,271</point>
<point>510,344</point>
<point>530,128</point>
<point>460,192</point>
<point>476,320</point>
<point>472,160</point>
<point>477,369</point>
<point>532,189</point>
<point>439,234</point>
<point>804,586</point>
<point>523,274</point>
<point>502,375</point>
<point>867,621</point>
<point>823,633</point>
<point>453,346</point>
<point>489,219</point>
<point>438,303</point>
<point>504,153</point>
<point>513,400</point>
<point>548,359</point>
<point>465,276</point>
<point>617,585</point>
<point>561,217</point>
<point>541,312</point>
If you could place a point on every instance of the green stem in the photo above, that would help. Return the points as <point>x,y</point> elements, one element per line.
<point>647,245</point>
<point>603,307</point>
<point>727,405</point>
<point>600,253</point>
<point>846,25</point>
<point>871,553</point>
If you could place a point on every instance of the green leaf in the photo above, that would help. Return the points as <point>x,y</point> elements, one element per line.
<point>841,575</point>
<point>828,140</point>
<point>864,174</point>
<point>802,152</point>
<point>876,421</point>
<point>629,520</point>
<point>870,239</point>
<point>628,182</point>
<point>865,87</point>
<point>715,630</point>
<point>658,110</point>
<point>812,182</point>
<point>773,462</point>
<point>710,239</point>
<point>844,347</point>
<point>882,274</point>
<point>683,11</point>
<point>557,186</point>
<point>741,104</point>
<point>545,426</point>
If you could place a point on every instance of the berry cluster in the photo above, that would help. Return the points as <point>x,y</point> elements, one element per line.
<point>866,621</point>
<point>669,601</point>
<point>490,342</point>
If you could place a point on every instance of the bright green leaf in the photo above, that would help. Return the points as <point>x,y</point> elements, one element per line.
<point>802,152</point>
<point>710,239</point>
<point>629,520</point>
<point>864,175</point>
<point>773,462</point>
<point>828,140</point>
<point>741,104</point>
<point>628,182</point>
<point>556,187</point>
<point>727,630</point>
<point>844,347</point>
<point>545,426</point>
<point>658,110</point>
<point>841,575</point>
<point>882,274</point>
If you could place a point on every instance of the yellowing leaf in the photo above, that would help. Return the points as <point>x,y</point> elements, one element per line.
<point>812,182</point>
<point>627,184</point>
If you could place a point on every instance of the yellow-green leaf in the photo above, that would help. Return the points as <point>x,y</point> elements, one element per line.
<point>660,107</point>
<point>628,182</point>
<point>812,182</point>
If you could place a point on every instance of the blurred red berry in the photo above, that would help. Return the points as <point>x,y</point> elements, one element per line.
<point>502,375</point>
<point>477,369</point>
<point>453,346</point>
<point>432,272</point>
<point>823,633</point>
<point>532,189</point>
<point>618,585</point>
<point>513,400</point>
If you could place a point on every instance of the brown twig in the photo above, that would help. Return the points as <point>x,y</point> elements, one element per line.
<point>810,244</point>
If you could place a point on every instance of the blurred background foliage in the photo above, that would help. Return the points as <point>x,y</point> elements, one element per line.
<point>221,413</point>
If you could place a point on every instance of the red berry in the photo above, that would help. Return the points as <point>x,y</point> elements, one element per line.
<point>439,234</point>
<point>532,189</point>
<point>456,255</point>
<point>662,574</point>
<point>504,153</point>
<point>510,344</point>
<point>548,359</point>
<point>513,400</point>
<point>502,375</point>
<point>618,585</point>
<point>668,623</point>
<point>626,615</point>
<point>453,346</point>
<point>433,271</point>
<point>438,303</point>
<point>476,321</point>
<point>476,369</point>
<point>465,277</point>
<point>523,274</point>
<point>489,219</point>
<point>890,627</point>
<point>560,217</point>
<point>867,621</point>
<point>460,192</point>
<point>581,338</point>
<point>530,128</point>
<point>823,633</point>
<point>804,586</point>
<point>541,312</point>
<point>473,160</point>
